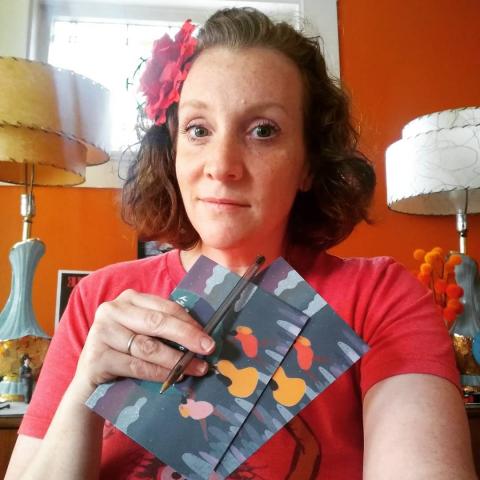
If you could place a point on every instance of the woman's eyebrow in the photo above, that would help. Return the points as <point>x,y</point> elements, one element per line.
<point>267,106</point>
<point>194,103</point>
<point>200,104</point>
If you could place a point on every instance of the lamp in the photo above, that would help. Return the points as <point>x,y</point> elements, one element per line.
<point>435,170</point>
<point>53,123</point>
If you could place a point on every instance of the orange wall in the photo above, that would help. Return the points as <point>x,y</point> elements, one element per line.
<point>399,58</point>
<point>81,229</point>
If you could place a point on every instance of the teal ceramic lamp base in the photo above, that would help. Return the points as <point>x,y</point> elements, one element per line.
<point>20,333</point>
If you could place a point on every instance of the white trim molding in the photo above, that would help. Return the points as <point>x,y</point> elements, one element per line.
<point>322,14</point>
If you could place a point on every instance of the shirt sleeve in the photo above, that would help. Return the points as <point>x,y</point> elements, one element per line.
<point>405,331</point>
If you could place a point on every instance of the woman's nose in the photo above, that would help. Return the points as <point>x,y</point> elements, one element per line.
<point>225,159</point>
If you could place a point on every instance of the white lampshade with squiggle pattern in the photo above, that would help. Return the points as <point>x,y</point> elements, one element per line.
<point>434,169</point>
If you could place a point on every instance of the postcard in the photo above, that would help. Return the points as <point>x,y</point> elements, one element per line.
<point>279,347</point>
<point>323,350</point>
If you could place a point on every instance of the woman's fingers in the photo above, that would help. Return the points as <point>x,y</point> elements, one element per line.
<point>153,302</point>
<point>152,350</point>
<point>123,365</point>
<point>127,339</point>
<point>156,317</point>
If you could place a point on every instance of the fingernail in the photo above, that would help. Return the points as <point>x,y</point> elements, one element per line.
<point>202,368</point>
<point>207,343</point>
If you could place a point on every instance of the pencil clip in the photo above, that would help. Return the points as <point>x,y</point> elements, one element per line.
<point>173,344</point>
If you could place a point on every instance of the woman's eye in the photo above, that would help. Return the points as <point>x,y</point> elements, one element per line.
<point>264,130</point>
<point>199,131</point>
<point>196,131</point>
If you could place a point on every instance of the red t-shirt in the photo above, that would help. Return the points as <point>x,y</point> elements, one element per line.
<point>378,298</point>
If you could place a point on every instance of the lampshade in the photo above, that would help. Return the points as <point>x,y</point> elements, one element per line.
<point>52,118</point>
<point>435,168</point>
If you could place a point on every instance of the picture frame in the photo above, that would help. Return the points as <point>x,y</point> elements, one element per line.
<point>66,282</point>
<point>151,248</point>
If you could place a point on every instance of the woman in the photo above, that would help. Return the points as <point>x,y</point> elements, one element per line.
<point>258,156</point>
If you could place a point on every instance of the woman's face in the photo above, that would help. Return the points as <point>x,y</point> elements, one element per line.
<point>240,149</point>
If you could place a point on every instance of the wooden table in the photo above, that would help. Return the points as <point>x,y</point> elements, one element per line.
<point>474,422</point>
<point>8,436</point>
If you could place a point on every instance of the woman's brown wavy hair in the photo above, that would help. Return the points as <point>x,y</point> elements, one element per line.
<point>343,180</point>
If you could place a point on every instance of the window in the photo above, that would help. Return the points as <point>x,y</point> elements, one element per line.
<point>108,53</point>
<point>106,42</point>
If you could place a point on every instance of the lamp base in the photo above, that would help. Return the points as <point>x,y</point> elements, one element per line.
<point>466,362</point>
<point>23,343</point>
<point>11,391</point>
<point>467,324</point>
<point>17,319</point>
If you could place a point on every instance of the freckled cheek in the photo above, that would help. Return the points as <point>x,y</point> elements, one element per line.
<point>186,170</point>
<point>280,171</point>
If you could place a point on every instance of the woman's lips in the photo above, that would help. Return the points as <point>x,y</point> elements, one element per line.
<point>223,202</point>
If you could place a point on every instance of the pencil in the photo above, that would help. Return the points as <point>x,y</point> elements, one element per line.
<point>217,317</point>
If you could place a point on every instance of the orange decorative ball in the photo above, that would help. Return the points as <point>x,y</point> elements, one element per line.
<point>454,291</point>
<point>419,254</point>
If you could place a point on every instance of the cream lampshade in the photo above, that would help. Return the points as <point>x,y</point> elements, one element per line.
<point>53,124</point>
<point>51,118</point>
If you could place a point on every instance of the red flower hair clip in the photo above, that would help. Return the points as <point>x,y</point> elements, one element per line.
<point>166,70</point>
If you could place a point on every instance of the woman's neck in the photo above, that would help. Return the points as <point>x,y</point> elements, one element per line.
<point>235,259</point>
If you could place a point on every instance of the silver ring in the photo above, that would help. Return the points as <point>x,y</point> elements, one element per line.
<point>130,342</point>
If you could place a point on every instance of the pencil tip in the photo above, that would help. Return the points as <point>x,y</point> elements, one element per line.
<point>165,387</point>
<point>260,259</point>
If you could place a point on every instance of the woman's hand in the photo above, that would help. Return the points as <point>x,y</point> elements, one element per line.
<point>148,319</point>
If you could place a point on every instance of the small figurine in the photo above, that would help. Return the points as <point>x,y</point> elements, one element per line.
<point>26,376</point>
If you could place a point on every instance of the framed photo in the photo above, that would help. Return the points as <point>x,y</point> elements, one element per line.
<point>66,281</point>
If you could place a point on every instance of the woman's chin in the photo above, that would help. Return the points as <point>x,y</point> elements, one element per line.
<point>227,240</point>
